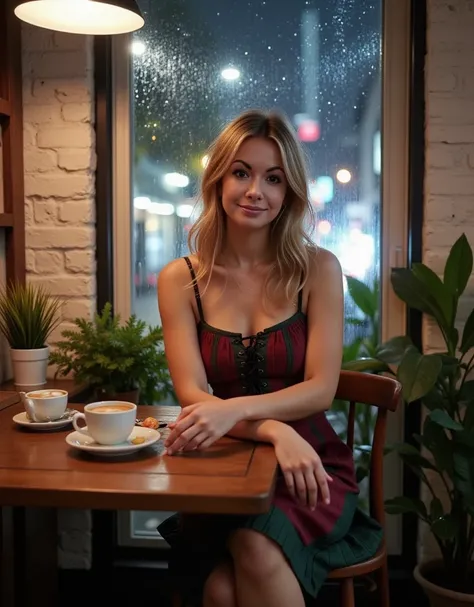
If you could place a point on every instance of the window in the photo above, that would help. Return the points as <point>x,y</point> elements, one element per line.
<point>195,65</point>
<point>193,72</point>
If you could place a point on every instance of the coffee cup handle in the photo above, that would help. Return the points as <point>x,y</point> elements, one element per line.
<point>29,408</point>
<point>75,419</point>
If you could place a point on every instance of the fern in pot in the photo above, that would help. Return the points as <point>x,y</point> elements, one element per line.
<point>119,361</point>
<point>28,316</point>
<point>444,459</point>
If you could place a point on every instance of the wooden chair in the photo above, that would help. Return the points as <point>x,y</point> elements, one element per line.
<point>385,394</point>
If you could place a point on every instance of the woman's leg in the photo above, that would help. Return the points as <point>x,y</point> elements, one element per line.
<point>262,574</point>
<point>219,589</point>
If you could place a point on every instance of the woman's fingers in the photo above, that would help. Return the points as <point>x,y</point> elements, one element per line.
<point>207,442</point>
<point>300,485</point>
<point>198,442</point>
<point>180,441</point>
<point>321,478</point>
<point>290,483</point>
<point>311,487</point>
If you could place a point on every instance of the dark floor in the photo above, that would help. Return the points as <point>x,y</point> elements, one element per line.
<point>132,586</point>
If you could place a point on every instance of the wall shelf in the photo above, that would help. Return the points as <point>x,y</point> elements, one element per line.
<point>12,216</point>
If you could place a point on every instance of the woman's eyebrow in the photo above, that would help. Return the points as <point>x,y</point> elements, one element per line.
<point>247,166</point>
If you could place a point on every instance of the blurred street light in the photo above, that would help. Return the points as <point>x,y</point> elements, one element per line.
<point>343,176</point>
<point>176,180</point>
<point>138,47</point>
<point>230,73</point>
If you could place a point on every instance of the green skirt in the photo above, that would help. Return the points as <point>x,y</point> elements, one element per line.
<point>355,538</point>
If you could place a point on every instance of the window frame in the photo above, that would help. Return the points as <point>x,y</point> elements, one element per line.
<point>401,180</point>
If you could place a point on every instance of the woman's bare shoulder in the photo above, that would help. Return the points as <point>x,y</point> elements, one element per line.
<point>323,263</point>
<point>176,272</point>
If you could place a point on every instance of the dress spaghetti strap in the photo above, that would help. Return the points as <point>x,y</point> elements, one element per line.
<point>300,296</point>
<point>196,289</point>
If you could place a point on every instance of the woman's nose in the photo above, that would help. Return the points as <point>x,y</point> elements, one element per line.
<point>254,193</point>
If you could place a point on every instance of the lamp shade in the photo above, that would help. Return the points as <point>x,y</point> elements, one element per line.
<point>96,17</point>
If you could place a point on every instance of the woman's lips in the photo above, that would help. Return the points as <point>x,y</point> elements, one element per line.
<point>251,210</point>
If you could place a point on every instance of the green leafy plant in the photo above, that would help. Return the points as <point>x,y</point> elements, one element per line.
<point>442,382</point>
<point>366,300</point>
<point>115,358</point>
<point>28,316</point>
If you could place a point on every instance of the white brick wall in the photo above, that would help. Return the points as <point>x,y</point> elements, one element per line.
<point>59,157</point>
<point>449,177</point>
<point>60,166</point>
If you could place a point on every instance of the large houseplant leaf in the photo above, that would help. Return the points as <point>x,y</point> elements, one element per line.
<point>363,297</point>
<point>392,351</point>
<point>410,289</point>
<point>467,341</point>
<point>458,267</point>
<point>418,374</point>
<point>436,440</point>
<point>445,527</point>
<point>442,418</point>
<point>404,505</point>
<point>366,365</point>
<point>435,287</point>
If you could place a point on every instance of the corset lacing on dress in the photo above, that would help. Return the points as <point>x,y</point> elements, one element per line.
<point>251,364</point>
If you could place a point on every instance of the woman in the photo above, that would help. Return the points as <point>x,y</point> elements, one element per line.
<point>257,313</point>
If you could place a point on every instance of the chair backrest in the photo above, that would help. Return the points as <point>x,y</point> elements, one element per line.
<point>384,393</point>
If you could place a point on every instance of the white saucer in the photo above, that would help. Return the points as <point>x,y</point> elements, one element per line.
<point>87,443</point>
<point>23,420</point>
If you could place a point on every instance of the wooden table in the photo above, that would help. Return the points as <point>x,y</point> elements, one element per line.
<point>39,470</point>
<point>8,398</point>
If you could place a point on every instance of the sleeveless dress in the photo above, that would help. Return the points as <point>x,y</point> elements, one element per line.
<point>314,542</point>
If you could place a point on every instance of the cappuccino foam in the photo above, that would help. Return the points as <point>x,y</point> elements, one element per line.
<point>46,394</point>
<point>111,409</point>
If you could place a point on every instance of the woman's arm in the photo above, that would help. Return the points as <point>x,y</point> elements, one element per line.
<point>323,352</point>
<point>187,372</point>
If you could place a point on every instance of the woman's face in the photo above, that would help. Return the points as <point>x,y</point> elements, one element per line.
<point>254,187</point>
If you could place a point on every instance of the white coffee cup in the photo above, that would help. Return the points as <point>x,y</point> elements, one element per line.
<point>108,422</point>
<point>45,405</point>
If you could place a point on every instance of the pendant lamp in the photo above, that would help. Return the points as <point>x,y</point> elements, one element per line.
<point>95,17</point>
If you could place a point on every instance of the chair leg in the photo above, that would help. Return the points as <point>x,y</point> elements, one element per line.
<point>347,592</point>
<point>383,585</point>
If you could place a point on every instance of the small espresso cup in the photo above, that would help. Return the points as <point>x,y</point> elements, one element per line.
<point>45,405</point>
<point>108,422</point>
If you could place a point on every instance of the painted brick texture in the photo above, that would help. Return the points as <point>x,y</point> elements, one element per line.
<point>449,173</point>
<point>60,164</point>
<point>59,157</point>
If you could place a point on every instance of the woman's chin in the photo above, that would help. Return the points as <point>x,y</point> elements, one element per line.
<point>240,219</point>
<point>248,223</point>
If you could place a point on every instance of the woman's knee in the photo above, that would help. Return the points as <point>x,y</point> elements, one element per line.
<point>219,589</point>
<point>255,554</point>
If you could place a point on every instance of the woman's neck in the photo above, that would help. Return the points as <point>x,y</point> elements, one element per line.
<point>245,249</point>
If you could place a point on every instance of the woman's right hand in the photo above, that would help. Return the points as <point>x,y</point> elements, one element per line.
<point>302,468</point>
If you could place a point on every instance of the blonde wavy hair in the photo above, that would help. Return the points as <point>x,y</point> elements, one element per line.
<point>293,246</point>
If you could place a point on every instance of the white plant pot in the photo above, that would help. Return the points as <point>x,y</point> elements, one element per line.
<point>29,366</point>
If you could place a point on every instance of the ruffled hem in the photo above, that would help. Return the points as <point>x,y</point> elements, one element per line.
<point>347,544</point>
<point>355,538</point>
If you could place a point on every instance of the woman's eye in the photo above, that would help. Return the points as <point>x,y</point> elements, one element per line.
<point>240,173</point>
<point>274,179</point>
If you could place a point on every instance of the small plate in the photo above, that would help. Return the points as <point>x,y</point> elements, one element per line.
<point>22,419</point>
<point>87,443</point>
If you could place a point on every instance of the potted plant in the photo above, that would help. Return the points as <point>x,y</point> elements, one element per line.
<point>442,454</point>
<point>119,361</point>
<point>28,316</point>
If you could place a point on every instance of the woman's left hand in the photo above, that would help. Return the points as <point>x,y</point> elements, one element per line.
<point>199,426</point>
